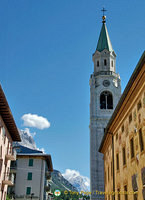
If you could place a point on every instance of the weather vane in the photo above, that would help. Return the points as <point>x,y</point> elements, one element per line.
<point>103,17</point>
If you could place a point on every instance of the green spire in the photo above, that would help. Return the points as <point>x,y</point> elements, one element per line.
<point>104,40</point>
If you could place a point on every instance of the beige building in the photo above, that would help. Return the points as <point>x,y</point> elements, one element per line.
<point>32,171</point>
<point>123,144</point>
<point>8,134</point>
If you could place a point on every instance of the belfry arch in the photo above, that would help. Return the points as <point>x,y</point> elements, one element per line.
<point>106,100</point>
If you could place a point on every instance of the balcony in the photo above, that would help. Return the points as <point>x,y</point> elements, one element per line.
<point>48,175</point>
<point>11,154</point>
<point>47,187</point>
<point>8,179</point>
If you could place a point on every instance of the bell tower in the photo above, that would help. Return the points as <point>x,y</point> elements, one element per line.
<point>105,92</point>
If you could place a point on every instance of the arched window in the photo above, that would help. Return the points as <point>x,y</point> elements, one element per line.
<point>106,100</point>
<point>105,62</point>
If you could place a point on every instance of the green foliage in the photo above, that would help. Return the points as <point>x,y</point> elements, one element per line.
<point>7,198</point>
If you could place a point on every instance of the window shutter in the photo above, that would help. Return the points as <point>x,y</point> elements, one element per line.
<point>29,175</point>
<point>30,162</point>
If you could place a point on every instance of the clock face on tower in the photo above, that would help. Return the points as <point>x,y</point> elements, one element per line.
<point>106,83</point>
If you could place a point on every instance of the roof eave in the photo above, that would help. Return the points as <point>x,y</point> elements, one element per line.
<point>130,82</point>
<point>7,117</point>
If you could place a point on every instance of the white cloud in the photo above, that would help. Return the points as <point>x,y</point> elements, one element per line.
<point>33,120</point>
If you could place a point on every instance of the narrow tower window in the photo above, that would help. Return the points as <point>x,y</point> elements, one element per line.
<point>97,63</point>
<point>105,62</point>
<point>106,100</point>
<point>112,63</point>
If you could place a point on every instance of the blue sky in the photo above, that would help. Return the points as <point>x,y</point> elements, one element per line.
<point>46,52</point>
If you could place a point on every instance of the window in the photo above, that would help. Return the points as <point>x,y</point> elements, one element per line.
<point>106,100</point>
<point>135,196</point>
<point>97,63</point>
<point>118,190</point>
<point>141,140</point>
<point>105,176</point>
<point>3,131</point>
<point>29,176</point>
<point>130,118</point>
<point>28,190</point>
<point>105,62</point>
<point>143,192</point>
<point>122,128</point>
<point>112,63</point>
<point>117,161</point>
<point>124,156</point>
<point>139,105</point>
<point>132,147</point>
<point>143,176</point>
<point>125,193</point>
<point>135,185</point>
<point>4,134</point>
<point>30,162</point>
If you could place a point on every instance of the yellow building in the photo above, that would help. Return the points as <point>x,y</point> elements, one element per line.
<point>123,144</point>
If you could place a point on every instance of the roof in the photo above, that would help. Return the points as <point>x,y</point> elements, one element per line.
<point>104,41</point>
<point>131,81</point>
<point>25,151</point>
<point>7,117</point>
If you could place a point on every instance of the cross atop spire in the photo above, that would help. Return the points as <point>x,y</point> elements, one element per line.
<point>104,41</point>
<point>103,10</point>
<point>103,17</point>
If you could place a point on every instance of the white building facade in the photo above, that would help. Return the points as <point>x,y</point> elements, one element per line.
<point>32,176</point>
<point>105,92</point>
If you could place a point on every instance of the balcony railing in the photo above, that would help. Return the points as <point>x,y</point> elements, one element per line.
<point>48,175</point>
<point>11,154</point>
<point>107,73</point>
<point>8,179</point>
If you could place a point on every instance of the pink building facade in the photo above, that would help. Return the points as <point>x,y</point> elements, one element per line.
<point>8,134</point>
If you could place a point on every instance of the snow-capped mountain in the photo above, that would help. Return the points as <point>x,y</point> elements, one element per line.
<point>82,183</point>
<point>75,180</point>
<point>59,182</point>
<point>27,139</point>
